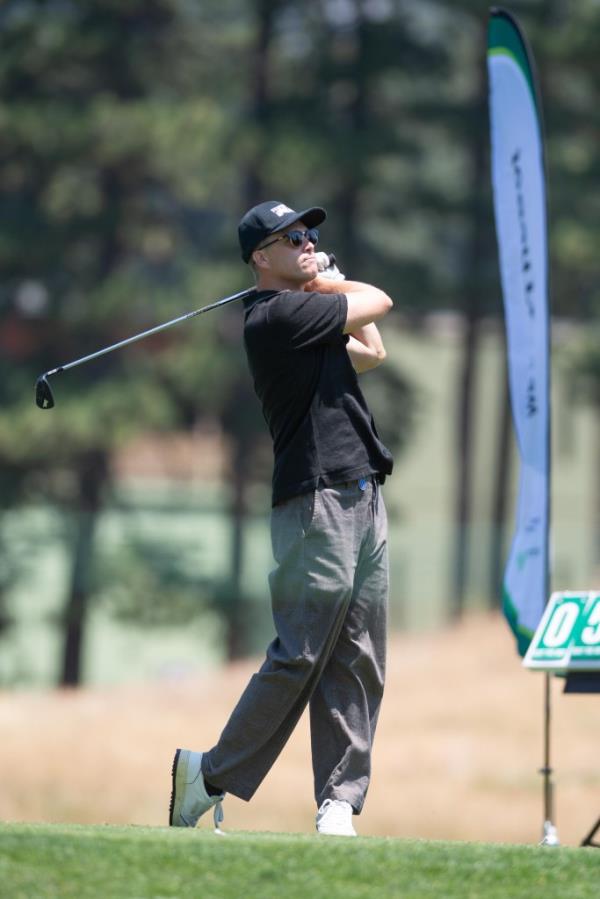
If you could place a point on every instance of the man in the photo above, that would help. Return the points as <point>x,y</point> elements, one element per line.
<point>306,337</point>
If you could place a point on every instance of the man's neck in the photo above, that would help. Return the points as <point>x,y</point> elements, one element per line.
<point>269,283</point>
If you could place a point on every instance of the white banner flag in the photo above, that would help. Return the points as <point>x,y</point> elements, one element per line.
<point>518,174</point>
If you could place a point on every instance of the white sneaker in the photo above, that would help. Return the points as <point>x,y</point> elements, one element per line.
<point>335,818</point>
<point>189,799</point>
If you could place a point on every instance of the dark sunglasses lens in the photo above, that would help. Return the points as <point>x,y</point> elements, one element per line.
<point>296,238</point>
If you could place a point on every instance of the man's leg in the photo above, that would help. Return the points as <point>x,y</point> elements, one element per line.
<point>345,705</point>
<point>310,594</point>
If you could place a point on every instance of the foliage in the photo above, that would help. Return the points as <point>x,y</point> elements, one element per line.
<point>134,580</point>
<point>134,134</point>
<point>570,79</point>
<point>102,189</point>
<point>583,366</point>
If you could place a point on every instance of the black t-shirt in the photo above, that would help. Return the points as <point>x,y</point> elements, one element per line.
<point>322,429</point>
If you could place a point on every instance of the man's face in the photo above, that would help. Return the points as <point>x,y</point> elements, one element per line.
<point>297,265</point>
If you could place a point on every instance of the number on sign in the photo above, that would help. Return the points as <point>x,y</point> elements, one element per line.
<point>590,635</point>
<point>561,624</point>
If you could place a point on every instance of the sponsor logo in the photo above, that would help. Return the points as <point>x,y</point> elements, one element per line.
<point>526,267</point>
<point>281,210</point>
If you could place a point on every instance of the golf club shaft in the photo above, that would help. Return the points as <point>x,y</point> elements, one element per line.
<point>121,343</point>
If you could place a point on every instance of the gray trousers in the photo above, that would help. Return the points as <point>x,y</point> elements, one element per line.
<point>329,597</point>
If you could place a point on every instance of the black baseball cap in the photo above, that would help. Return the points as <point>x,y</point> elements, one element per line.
<point>271,216</point>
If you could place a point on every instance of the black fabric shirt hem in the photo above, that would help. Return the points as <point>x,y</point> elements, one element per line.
<point>327,479</point>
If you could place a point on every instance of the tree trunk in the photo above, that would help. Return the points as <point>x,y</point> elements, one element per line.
<point>235,618</point>
<point>265,11</point>
<point>92,477</point>
<point>502,469</point>
<point>467,380</point>
<point>353,125</point>
<point>235,420</point>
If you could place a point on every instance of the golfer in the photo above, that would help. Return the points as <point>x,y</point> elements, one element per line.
<point>306,338</point>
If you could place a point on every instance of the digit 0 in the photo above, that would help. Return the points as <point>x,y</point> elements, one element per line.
<point>561,624</point>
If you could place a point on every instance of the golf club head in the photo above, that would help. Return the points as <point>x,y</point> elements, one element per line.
<point>43,393</point>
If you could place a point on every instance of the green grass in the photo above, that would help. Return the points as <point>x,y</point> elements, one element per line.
<point>42,861</point>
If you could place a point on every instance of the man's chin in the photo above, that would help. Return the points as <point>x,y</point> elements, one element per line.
<point>310,271</point>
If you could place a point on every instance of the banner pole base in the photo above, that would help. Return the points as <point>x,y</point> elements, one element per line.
<point>549,831</point>
<point>550,837</point>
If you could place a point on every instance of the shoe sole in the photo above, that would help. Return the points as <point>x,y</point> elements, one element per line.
<point>178,777</point>
<point>336,833</point>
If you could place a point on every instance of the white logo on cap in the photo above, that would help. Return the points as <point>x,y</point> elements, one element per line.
<point>281,210</point>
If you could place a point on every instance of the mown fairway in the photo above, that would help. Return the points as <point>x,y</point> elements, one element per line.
<point>66,861</point>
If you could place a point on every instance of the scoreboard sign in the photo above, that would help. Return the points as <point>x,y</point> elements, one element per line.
<point>568,636</point>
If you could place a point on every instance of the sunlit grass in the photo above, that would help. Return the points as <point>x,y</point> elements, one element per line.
<point>66,861</point>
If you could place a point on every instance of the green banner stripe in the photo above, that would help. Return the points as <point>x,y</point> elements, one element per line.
<point>503,51</point>
<point>504,38</point>
<point>523,635</point>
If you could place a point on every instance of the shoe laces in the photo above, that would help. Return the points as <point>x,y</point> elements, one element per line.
<point>218,816</point>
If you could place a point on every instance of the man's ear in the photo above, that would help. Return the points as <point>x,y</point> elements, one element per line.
<point>260,259</point>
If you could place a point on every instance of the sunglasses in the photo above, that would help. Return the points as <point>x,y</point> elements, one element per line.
<point>296,238</point>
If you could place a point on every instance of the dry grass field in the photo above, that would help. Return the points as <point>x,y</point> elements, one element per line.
<point>457,753</point>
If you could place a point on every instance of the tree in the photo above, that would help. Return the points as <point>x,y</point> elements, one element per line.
<point>287,149</point>
<point>101,197</point>
<point>583,368</point>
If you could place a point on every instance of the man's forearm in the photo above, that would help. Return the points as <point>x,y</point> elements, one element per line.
<point>365,348</point>
<point>325,285</point>
<point>366,303</point>
<point>369,336</point>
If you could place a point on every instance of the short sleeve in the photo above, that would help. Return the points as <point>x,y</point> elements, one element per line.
<point>301,319</point>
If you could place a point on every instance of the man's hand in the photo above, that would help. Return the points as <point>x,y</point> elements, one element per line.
<point>327,267</point>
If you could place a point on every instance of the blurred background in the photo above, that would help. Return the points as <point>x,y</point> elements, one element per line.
<point>134,544</point>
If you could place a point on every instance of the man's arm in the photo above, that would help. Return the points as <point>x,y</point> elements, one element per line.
<point>365,348</point>
<point>366,304</point>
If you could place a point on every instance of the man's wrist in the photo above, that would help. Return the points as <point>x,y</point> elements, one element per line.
<point>324,285</point>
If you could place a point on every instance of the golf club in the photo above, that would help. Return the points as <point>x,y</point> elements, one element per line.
<point>43,392</point>
<point>44,397</point>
